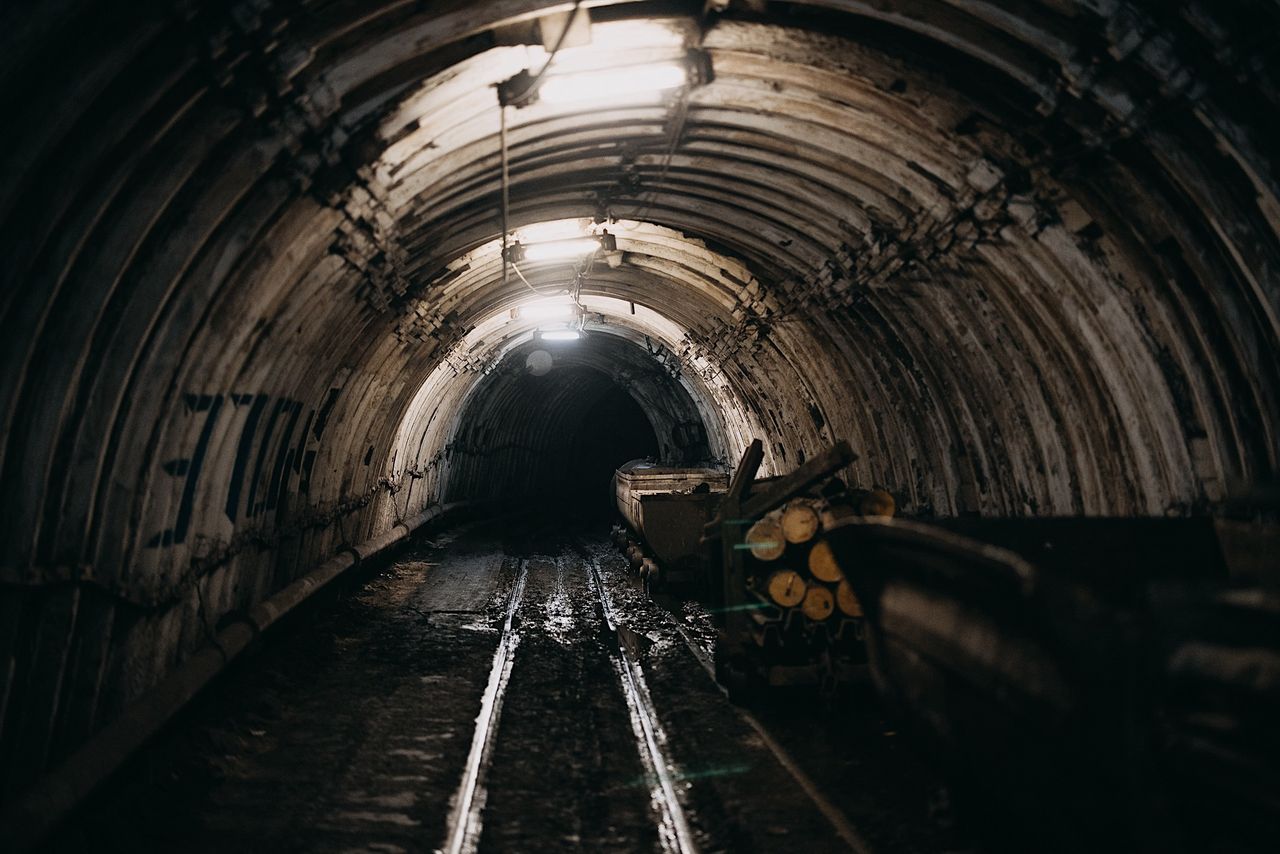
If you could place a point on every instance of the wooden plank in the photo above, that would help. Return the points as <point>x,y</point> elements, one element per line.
<point>743,476</point>
<point>734,590</point>
<point>833,459</point>
<point>752,457</point>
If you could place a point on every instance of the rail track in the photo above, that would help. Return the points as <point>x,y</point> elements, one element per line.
<point>674,830</point>
<point>516,690</point>
<point>465,821</point>
<point>663,778</point>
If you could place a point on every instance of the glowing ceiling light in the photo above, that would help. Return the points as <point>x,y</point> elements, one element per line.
<point>560,249</point>
<point>613,83</point>
<point>629,35</point>
<point>542,232</point>
<point>544,310</point>
<point>561,335</point>
<point>607,84</point>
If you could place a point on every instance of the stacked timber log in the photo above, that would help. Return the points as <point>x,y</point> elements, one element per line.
<point>782,614</point>
<point>799,587</point>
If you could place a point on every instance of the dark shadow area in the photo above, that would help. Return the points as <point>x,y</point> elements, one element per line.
<point>555,435</point>
<point>612,432</point>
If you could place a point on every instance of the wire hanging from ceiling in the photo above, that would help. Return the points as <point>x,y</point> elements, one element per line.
<point>502,141</point>
<point>530,286</point>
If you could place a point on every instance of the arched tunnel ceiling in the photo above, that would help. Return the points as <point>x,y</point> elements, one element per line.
<point>1022,255</point>
<point>984,245</point>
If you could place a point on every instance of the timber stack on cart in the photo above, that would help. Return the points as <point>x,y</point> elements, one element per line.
<point>786,612</point>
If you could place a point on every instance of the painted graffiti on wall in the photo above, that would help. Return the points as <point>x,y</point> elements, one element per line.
<point>270,454</point>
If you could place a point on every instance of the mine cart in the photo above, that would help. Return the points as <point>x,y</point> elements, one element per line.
<point>665,510</point>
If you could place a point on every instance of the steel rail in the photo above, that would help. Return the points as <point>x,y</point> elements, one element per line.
<point>465,822</point>
<point>675,833</point>
<point>833,814</point>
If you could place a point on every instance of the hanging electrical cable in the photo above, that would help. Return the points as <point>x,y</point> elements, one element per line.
<point>503,101</point>
<point>527,283</point>
<point>506,188</point>
<point>502,138</point>
<point>536,81</point>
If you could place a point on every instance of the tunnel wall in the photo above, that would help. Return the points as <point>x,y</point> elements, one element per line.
<point>1023,258</point>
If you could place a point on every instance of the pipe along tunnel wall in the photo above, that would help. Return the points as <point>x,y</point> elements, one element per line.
<point>1022,256</point>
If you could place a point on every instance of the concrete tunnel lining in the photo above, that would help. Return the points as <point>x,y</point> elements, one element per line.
<point>1022,258</point>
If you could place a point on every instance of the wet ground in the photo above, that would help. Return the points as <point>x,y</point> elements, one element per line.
<point>474,695</point>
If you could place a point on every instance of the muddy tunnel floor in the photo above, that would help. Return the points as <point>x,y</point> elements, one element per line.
<point>505,685</point>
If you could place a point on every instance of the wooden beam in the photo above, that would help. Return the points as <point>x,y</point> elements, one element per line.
<point>732,618</point>
<point>833,459</point>
<point>743,476</point>
<point>752,457</point>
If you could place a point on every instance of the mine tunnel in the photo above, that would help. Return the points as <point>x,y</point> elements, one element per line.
<point>338,334</point>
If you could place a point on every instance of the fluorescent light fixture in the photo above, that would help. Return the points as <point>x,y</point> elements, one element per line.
<point>612,83</point>
<point>615,83</point>
<point>545,311</point>
<point>542,232</point>
<point>629,35</point>
<point>560,249</point>
<point>561,335</point>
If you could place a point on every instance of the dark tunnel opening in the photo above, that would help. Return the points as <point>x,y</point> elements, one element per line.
<point>612,432</point>
<point>552,425</point>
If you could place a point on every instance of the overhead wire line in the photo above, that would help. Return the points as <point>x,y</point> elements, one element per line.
<point>502,139</point>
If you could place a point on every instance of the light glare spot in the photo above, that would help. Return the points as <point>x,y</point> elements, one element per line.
<point>612,84</point>
<point>538,363</point>
<point>560,249</point>
<point>543,232</point>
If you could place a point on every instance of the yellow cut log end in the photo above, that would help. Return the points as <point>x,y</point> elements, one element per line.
<point>823,564</point>
<point>786,588</point>
<point>877,502</point>
<point>818,603</point>
<point>847,600</point>
<point>800,521</point>
<point>765,538</point>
